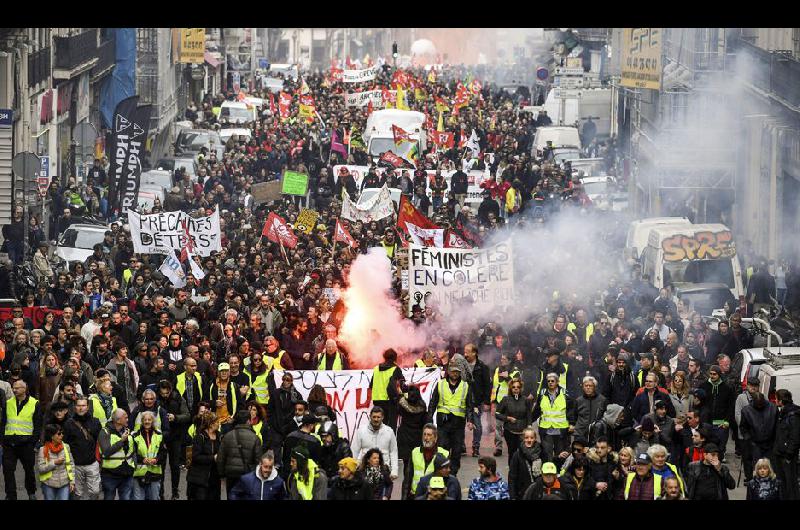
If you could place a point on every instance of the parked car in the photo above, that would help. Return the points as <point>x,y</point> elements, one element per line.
<point>77,242</point>
<point>171,163</point>
<point>190,141</point>
<point>775,368</point>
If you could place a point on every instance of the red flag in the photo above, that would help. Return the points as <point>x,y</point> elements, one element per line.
<point>278,231</point>
<point>343,236</point>
<point>392,159</point>
<point>272,103</point>
<point>369,107</point>
<point>188,248</point>
<point>407,212</point>
<point>285,104</point>
<point>400,135</point>
<point>462,140</point>
<point>453,240</point>
<point>443,139</point>
<point>336,74</point>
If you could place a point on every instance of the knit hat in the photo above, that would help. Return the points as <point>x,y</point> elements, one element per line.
<point>715,368</point>
<point>350,463</point>
<point>301,454</point>
<point>549,468</point>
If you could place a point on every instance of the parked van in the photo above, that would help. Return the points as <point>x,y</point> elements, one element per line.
<point>237,112</point>
<point>690,254</point>
<point>775,368</point>
<point>378,132</point>
<point>560,136</point>
<point>639,231</point>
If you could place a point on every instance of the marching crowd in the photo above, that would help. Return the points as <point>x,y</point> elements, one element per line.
<point>124,375</point>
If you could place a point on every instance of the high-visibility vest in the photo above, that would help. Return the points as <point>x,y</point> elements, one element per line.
<point>122,455</point>
<point>192,430</point>
<point>589,330</point>
<point>137,423</point>
<point>499,388</point>
<point>234,398</point>
<point>98,411</point>
<point>260,386</point>
<point>419,467</point>
<point>674,469</point>
<point>273,363</point>
<point>454,403</point>
<point>380,381</point>
<point>257,429</point>
<point>67,462</point>
<point>389,249</point>
<point>20,424</point>
<point>419,363</point>
<point>553,416</point>
<point>180,383</point>
<point>562,378</point>
<point>147,452</point>
<point>306,489</point>
<point>337,361</point>
<point>656,485</point>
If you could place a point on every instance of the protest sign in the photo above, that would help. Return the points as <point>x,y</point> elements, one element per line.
<point>450,277</point>
<point>358,76</point>
<point>306,220</point>
<point>161,233</point>
<point>294,183</point>
<point>362,99</point>
<point>266,191</point>
<point>378,207</point>
<point>349,392</point>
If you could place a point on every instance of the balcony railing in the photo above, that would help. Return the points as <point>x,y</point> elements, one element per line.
<point>106,54</point>
<point>75,50</point>
<point>774,73</point>
<point>38,66</point>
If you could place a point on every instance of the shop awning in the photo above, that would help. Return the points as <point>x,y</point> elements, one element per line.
<point>212,59</point>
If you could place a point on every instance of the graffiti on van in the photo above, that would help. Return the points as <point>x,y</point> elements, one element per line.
<point>702,245</point>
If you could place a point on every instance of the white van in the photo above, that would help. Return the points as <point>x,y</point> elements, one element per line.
<point>693,254</point>
<point>775,368</point>
<point>560,136</point>
<point>236,112</point>
<point>378,132</point>
<point>639,231</point>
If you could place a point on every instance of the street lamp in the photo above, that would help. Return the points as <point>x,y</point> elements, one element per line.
<point>394,54</point>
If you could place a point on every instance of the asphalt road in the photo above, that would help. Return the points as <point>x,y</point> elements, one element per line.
<point>469,470</point>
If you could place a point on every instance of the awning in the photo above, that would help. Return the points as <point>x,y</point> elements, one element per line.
<point>211,59</point>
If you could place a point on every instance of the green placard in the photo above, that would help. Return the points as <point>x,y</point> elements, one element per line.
<point>294,183</point>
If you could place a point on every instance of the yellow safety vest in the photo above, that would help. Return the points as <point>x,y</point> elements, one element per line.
<point>20,424</point>
<point>147,452</point>
<point>419,363</point>
<point>656,485</point>
<point>389,249</point>
<point>306,489</point>
<point>192,430</point>
<point>553,416</point>
<point>674,469</point>
<point>499,388</point>
<point>137,423</point>
<point>98,411</point>
<point>337,361</point>
<point>234,398</point>
<point>67,462</point>
<point>589,329</point>
<point>260,386</point>
<point>380,381</point>
<point>562,378</point>
<point>122,455</point>
<point>454,403</point>
<point>274,363</point>
<point>257,429</point>
<point>180,384</point>
<point>418,464</point>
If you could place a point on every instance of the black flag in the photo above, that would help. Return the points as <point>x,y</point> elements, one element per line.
<point>128,140</point>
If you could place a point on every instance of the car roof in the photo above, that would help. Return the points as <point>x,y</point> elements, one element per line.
<point>592,180</point>
<point>697,287</point>
<point>84,226</point>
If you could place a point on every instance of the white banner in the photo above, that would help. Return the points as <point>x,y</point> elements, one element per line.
<point>349,391</point>
<point>451,277</point>
<point>362,99</point>
<point>474,179</point>
<point>161,233</point>
<point>358,76</point>
<point>171,268</point>
<point>378,207</point>
<point>426,237</point>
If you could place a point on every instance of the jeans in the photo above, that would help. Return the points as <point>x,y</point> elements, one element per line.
<point>477,433</point>
<point>146,492</point>
<point>112,484</point>
<point>553,445</point>
<point>55,494</point>
<point>87,482</point>
<point>721,435</point>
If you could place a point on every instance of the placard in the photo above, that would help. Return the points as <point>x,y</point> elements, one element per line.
<point>294,183</point>
<point>165,232</point>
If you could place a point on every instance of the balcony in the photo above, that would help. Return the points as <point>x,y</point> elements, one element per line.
<point>776,75</point>
<point>38,66</point>
<point>106,59</point>
<point>75,54</point>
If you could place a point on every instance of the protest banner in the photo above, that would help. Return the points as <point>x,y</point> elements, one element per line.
<point>266,191</point>
<point>362,99</point>
<point>378,207</point>
<point>450,277</point>
<point>359,76</point>
<point>294,183</point>
<point>277,230</point>
<point>161,233</point>
<point>306,220</point>
<point>349,393</point>
<point>36,313</point>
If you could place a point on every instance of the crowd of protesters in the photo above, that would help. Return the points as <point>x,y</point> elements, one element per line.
<point>125,375</point>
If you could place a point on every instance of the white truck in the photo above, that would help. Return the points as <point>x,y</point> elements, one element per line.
<point>378,132</point>
<point>639,231</point>
<point>567,106</point>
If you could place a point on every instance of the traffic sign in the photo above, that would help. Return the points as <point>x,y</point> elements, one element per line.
<point>6,117</point>
<point>43,179</point>
<point>542,73</point>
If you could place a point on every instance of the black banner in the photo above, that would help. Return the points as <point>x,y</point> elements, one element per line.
<point>128,139</point>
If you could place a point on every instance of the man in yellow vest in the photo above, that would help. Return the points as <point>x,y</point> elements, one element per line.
<point>275,358</point>
<point>116,452</point>
<point>190,387</point>
<point>502,375</point>
<point>331,358</point>
<point>422,460</point>
<point>427,359</point>
<point>556,414</point>
<point>20,428</point>
<point>454,406</point>
<point>387,384</point>
<point>389,244</point>
<point>643,485</point>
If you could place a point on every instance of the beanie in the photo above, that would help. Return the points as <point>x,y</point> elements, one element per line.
<point>350,463</point>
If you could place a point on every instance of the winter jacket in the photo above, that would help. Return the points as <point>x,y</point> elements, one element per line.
<point>537,490</point>
<point>332,454</point>
<point>518,408</point>
<point>483,490</point>
<point>410,431</point>
<point>384,439</point>
<point>239,452</point>
<point>587,411</point>
<point>60,472</point>
<point>253,487</point>
<point>451,484</point>
<point>622,387</point>
<point>525,468</point>
<point>481,383</point>
<point>587,491</point>
<point>601,470</point>
<point>281,409</point>
<point>349,490</point>
<point>641,404</point>
<point>81,433</point>
<point>758,425</point>
<point>696,472</point>
<point>176,406</point>
<point>318,493</point>
<point>764,489</point>
<point>203,466</point>
<point>787,436</point>
<point>666,434</point>
<point>719,401</point>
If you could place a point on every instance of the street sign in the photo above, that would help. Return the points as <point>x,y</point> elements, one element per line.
<point>6,117</point>
<point>43,179</point>
<point>542,74</point>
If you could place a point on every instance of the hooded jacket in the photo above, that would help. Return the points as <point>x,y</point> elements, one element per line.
<point>588,410</point>
<point>349,490</point>
<point>758,424</point>
<point>254,487</point>
<point>622,386</point>
<point>239,451</point>
<point>787,436</point>
<point>525,468</point>
<point>410,431</point>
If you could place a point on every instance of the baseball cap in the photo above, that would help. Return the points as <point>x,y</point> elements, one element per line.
<point>309,419</point>
<point>440,461</point>
<point>549,468</point>
<point>711,447</point>
<point>643,458</point>
<point>223,366</point>
<point>437,483</point>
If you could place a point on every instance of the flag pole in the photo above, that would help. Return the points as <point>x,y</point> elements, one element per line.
<point>283,251</point>
<point>335,233</point>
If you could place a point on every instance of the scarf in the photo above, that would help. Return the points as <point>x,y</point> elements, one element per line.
<point>50,372</point>
<point>50,447</point>
<point>107,403</point>
<point>373,475</point>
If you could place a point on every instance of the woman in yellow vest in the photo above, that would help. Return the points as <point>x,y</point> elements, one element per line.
<point>55,466</point>
<point>258,373</point>
<point>258,423</point>
<point>149,455</point>
<point>307,481</point>
<point>103,404</point>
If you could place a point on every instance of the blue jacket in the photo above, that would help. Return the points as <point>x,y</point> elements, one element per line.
<point>251,487</point>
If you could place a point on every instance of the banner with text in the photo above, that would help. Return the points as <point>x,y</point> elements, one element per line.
<point>129,135</point>
<point>161,233</point>
<point>349,392</point>
<point>359,76</point>
<point>362,99</point>
<point>377,207</point>
<point>452,277</point>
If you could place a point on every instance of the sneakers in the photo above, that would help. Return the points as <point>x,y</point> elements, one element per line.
<point>498,452</point>
<point>175,496</point>
<point>475,452</point>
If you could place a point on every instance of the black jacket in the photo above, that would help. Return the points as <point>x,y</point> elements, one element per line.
<point>586,492</point>
<point>535,491</point>
<point>719,404</point>
<point>521,473</point>
<point>787,436</point>
<point>281,409</point>
<point>518,408</point>
<point>294,439</point>
<point>759,425</point>
<point>349,490</point>
<point>332,454</point>
<point>80,433</point>
<point>176,406</point>
<point>698,471</point>
<point>481,383</point>
<point>409,433</point>
<point>459,182</point>
<point>239,452</point>
<point>203,467</point>
<point>587,411</point>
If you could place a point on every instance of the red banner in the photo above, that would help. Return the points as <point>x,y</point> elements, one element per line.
<point>278,231</point>
<point>407,213</point>
<point>392,159</point>
<point>285,105</point>
<point>343,236</point>
<point>443,139</point>
<point>35,313</point>
<point>400,135</point>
